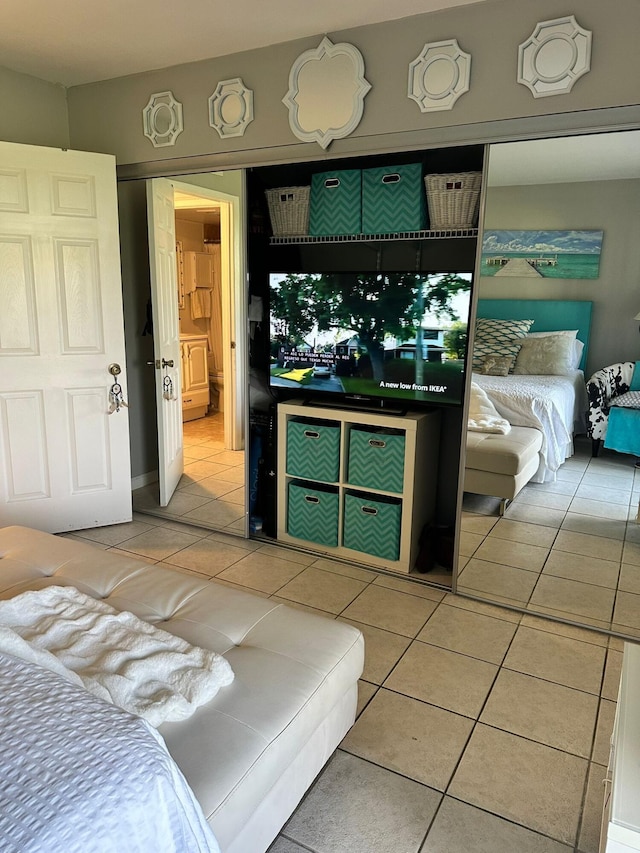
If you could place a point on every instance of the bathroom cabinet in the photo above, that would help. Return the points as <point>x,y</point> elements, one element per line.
<point>197,270</point>
<point>195,376</point>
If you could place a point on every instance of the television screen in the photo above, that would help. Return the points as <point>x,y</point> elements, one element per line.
<point>379,337</point>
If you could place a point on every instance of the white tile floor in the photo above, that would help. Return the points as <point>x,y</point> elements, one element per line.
<point>569,549</point>
<point>479,728</point>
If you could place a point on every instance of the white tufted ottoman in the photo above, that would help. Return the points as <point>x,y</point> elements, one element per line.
<point>251,753</point>
<point>500,465</point>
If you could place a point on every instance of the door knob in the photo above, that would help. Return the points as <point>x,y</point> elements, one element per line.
<point>167,362</point>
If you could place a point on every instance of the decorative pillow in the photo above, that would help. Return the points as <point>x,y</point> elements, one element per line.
<point>549,355</point>
<point>496,365</point>
<point>498,338</point>
<point>630,400</point>
<point>578,346</point>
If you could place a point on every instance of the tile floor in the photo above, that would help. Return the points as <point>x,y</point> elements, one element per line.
<point>211,491</point>
<point>479,728</point>
<point>569,549</point>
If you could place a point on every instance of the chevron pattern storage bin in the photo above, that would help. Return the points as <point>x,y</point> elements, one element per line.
<point>313,449</point>
<point>372,525</point>
<point>376,459</point>
<point>336,203</point>
<point>393,199</point>
<point>312,513</point>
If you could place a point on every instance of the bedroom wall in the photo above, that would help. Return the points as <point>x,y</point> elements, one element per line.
<point>610,206</point>
<point>34,112</point>
<point>107,116</point>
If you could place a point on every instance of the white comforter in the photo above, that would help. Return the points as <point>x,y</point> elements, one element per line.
<point>115,655</point>
<point>483,416</point>
<point>78,775</point>
<point>551,404</point>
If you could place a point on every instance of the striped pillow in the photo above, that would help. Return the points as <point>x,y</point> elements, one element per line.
<point>498,338</point>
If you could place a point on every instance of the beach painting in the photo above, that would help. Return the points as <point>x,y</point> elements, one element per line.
<point>541,254</point>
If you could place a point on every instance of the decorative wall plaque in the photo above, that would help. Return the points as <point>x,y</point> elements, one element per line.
<point>326,93</point>
<point>439,75</point>
<point>162,119</point>
<point>231,108</point>
<point>554,56</point>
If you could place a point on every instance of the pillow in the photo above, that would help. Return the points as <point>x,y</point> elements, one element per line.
<point>496,365</point>
<point>578,346</point>
<point>630,400</point>
<point>498,338</point>
<point>550,355</point>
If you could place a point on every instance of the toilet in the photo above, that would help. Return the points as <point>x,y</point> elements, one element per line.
<point>216,386</point>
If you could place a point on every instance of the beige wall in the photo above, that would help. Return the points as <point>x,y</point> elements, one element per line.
<point>610,206</point>
<point>107,116</point>
<point>33,111</point>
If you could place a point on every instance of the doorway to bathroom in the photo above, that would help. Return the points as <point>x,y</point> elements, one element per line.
<point>199,347</point>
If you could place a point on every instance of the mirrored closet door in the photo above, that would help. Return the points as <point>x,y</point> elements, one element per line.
<point>557,297</point>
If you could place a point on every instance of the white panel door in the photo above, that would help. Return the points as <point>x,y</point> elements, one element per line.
<point>64,460</point>
<point>166,334</point>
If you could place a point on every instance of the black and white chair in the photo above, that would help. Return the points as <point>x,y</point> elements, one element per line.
<point>602,388</point>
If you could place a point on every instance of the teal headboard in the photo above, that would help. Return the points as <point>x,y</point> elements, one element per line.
<point>548,315</point>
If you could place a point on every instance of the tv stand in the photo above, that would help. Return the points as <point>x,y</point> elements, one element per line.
<point>354,405</point>
<point>356,485</point>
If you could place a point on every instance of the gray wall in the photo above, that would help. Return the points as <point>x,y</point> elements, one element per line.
<point>107,116</point>
<point>610,206</point>
<point>33,111</point>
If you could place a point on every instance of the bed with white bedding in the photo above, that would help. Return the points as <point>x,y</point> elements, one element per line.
<point>79,774</point>
<point>554,403</point>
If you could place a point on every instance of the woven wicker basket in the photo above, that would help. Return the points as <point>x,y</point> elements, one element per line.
<point>453,199</point>
<point>289,210</point>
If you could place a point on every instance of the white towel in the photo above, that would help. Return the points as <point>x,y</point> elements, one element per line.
<point>116,656</point>
<point>483,416</point>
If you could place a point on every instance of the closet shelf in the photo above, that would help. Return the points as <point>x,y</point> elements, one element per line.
<point>442,234</point>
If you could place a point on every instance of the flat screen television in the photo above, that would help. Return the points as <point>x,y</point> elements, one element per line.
<point>384,339</point>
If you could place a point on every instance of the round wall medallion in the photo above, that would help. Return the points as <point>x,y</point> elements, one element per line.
<point>231,108</point>
<point>162,119</point>
<point>439,75</point>
<point>554,56</point>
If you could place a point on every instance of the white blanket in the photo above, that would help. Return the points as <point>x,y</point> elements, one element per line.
<point>115,655</point>
<point>550,404</point>
<point>483,416</point>
<point>78,775</point>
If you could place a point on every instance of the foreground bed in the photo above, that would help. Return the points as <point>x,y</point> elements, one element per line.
<point>251,752</point>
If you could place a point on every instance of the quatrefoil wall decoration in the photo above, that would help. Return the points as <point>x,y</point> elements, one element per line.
<point>326,93</point>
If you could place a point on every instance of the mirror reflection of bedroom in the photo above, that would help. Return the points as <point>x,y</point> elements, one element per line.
<point>549,527</point>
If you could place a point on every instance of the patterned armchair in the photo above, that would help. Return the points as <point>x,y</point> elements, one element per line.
<point>603,386</point>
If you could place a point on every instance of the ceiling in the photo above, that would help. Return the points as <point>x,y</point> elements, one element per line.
<point>568,159</point>
<point>72,42</point>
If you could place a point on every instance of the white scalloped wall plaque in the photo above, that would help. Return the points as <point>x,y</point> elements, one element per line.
<point>554,56</point>
<point>162,119</point>
<point>231,108</point>
<point>439,75</point>
<point>326,93</point>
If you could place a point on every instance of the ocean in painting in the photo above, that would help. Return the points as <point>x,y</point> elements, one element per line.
<point>550,254</point>
<point>568,266</point>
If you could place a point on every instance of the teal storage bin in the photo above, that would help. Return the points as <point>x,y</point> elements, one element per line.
<point>312,513</point>
<point>372,525</point>
<point>376,459</point>
<point>336,203</point>
<point>313,449</point>
<point>393,199</point>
